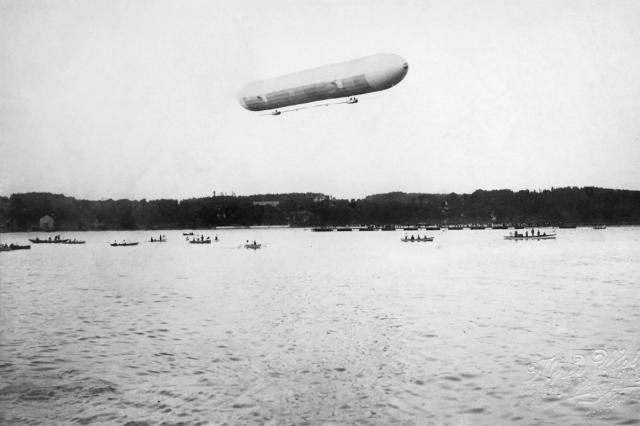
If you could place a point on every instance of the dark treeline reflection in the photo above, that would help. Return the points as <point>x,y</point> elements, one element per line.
<point>580,206</point>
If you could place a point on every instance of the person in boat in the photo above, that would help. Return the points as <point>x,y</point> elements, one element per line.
<point>216,238</point>
<point>538,232</point>
<point>413,238</point>
<point>254,243</point>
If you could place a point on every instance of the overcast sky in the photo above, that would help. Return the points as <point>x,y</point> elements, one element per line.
<point>137,99</point>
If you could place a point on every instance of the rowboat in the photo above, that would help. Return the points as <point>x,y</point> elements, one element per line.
<point>123,244</point>
<point>12,247</point>
<point>253,246</point>
<point>416,240</point>
<point>207,241</point>
<point>531,237</point>
<point>49,241</point>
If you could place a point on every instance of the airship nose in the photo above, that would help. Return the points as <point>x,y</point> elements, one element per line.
<point>241,100</point>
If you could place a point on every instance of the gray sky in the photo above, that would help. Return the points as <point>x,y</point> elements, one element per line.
<point>136,99</point>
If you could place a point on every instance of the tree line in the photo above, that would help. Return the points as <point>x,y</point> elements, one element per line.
<point>555,206</point>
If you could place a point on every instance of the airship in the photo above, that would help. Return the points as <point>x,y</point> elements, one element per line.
<point>342,80</point>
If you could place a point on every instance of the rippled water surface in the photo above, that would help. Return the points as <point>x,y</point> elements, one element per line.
<point>322,328</point>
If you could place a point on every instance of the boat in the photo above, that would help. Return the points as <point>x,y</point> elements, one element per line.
<point>344,229</point>
<point>531,237</point>
<point>499,226</point>
<point>431,228</point>
<point>74,241</point>
<point>322,229</point>
<point>389,228</point>
<point>600,227</point>
<point>56,240</point>
<point>187,234</point>
<point>416,240</point>
<point>123,244</point>
<point>477,227</point>
<point>195,241</point>
<point>253,246</point>
<point>158,240</point>
<point>12,247</point>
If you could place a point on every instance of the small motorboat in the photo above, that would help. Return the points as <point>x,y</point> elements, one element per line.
<point>123,244</point>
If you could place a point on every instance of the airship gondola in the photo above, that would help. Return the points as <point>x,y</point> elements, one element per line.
<point>345,79</point>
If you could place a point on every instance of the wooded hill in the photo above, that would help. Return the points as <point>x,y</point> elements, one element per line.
<point>580,206</point>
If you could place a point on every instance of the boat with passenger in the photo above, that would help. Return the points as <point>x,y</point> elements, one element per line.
<point>74,241</point>
<point>417,239</point>
<point>539,236</point>
<point>200,240</point>
<point>160,239</point>
<point>13,247</point>
<point>123,244</point>
<point>253,246</point>
<point>55,240</point>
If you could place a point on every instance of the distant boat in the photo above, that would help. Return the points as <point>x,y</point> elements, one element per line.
<point>196,241</point>
<point>74,241</point>
<point>186,234</point>
<point>56,240</point>
<point>253,246</point>
<point>323,229</point>
<point>344,229</point>
<point>13,247</point>
<point>432,228</point>
<point>388,228</point>
<point>600,227</point>
<point>123,244</point>
<point>158,240</point>
<point>499,226</point>
<point>477,227</point>
<point>531,237</point>
<point>416,240</point>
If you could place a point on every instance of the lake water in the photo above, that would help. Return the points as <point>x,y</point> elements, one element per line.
<point>322,328</point>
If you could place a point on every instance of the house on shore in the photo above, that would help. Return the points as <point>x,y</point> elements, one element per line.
<point>46,223</point>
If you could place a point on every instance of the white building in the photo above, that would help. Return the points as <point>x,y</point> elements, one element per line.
<point>46,223</point>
